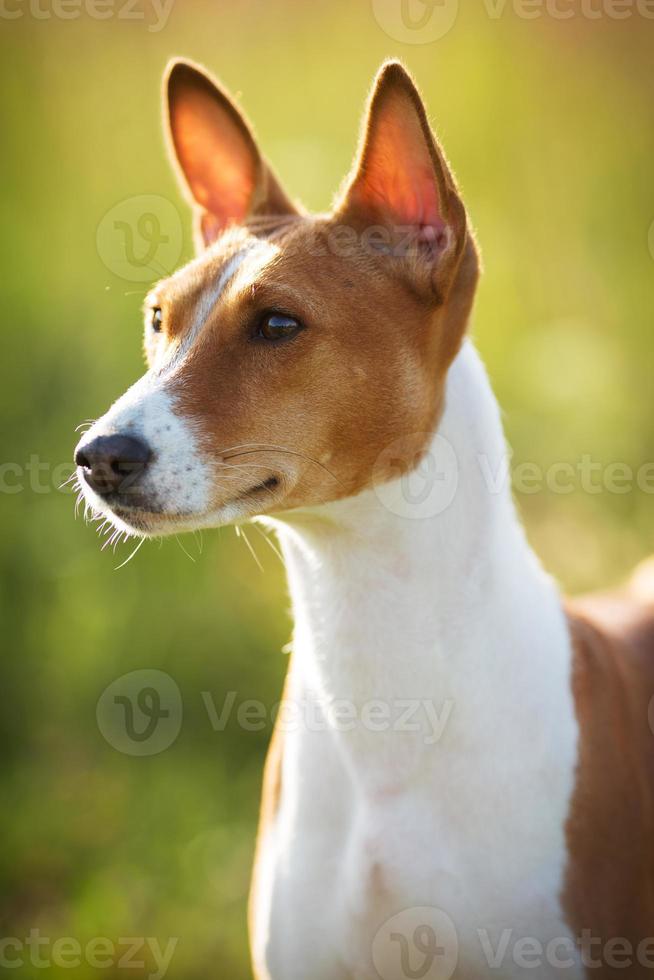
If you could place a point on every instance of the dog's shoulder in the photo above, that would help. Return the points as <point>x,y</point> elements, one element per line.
<point>613,632</point>
<point>610,832</point>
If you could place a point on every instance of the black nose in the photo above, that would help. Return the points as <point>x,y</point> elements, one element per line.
<point>112,464</point>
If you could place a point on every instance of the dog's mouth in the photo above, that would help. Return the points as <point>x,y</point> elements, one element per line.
<point>143,512</point>
<point>270,484</point>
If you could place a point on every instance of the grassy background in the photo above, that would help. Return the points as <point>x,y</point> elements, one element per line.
<point>548,124</point>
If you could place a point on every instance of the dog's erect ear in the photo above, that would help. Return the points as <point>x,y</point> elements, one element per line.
<point>400,179</point>
<point>221,167</point>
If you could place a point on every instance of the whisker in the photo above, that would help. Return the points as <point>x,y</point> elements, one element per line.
<point>243,466</point>
<point>236,466</point>
<point>111,539</point>
<point>159,273</point>
<point>272,448</point>
<point>71,479</point>
<point>122,564</point>
<point>240,532</point>
<point>271,544</point>
<point>184,549</point>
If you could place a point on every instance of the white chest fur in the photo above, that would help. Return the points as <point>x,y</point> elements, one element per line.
<point>429,767</point>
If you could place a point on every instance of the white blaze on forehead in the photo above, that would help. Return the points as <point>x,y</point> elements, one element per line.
<point>259,253</point>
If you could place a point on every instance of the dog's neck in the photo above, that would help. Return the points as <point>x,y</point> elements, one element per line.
<point>394,603</point>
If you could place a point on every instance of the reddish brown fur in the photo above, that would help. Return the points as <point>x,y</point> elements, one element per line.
<point>381,333</point>
<point>610,879</point>
<point>384,315</point>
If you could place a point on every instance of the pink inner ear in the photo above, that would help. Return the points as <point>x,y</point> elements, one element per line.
<point>217,161</point>
<point>399,175</point>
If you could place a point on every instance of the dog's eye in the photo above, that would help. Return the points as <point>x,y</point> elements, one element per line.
<point>278,326</point>
<point>156,319</point>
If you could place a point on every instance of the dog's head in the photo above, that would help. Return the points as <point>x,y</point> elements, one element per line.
<point>294,349</point>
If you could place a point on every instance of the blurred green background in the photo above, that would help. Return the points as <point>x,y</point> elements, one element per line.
<point>548,124</point>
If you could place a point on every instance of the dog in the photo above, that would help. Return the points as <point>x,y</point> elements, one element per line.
<point>301,371</point>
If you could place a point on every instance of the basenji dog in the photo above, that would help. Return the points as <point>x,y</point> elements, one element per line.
<point>465,788</point>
